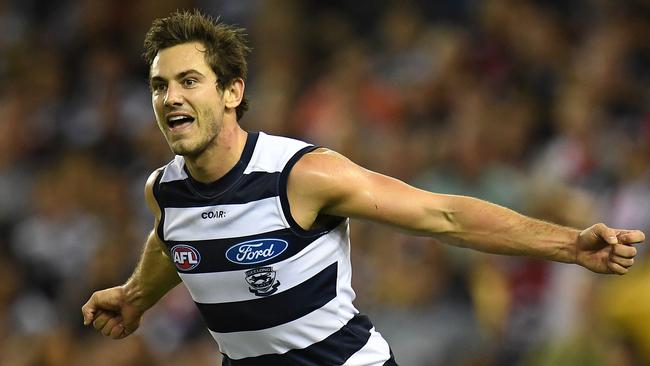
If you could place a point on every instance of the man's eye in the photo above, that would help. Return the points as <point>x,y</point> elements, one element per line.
<point>189,82</point>
<point>159,87</point>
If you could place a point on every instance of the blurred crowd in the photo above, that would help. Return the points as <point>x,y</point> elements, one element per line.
<point>540,106</point>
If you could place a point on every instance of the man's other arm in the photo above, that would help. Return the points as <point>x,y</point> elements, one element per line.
<point>116,312</point>
<point>325,182</point>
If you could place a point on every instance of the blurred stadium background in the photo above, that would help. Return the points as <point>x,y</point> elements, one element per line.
<point>541,106</point>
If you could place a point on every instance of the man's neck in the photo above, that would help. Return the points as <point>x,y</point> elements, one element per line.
<point>220,156</point>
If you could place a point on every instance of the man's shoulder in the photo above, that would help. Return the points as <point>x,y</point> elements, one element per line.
<point>321,168</point>
<point>321,179</point>
<point>320,158</point>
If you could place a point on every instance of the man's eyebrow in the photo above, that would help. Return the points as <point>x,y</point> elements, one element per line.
<point>183,74</point>
<point>180,75</point>
<point>155,79</point>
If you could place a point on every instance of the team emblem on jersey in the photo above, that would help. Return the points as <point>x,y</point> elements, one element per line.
<point>185,257</point>
<point>256,251</point>
<point>261,281</point>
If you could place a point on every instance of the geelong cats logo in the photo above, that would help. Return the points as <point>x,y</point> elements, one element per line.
<point>261,281</point>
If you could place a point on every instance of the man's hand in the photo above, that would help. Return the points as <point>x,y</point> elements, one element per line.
<point>606,250</point>
<point>110,313</point>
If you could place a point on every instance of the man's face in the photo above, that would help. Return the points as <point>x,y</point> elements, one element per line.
<point>188,106</point>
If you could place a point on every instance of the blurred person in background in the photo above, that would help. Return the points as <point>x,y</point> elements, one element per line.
<point>207,201</point>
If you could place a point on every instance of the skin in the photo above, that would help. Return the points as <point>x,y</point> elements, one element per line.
<point>325,183</point>
<point>183,83</point>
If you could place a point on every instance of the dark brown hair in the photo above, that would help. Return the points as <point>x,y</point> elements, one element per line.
<point>226,45</point>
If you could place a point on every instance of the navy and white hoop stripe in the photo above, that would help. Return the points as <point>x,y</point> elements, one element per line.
<point>289,303</point>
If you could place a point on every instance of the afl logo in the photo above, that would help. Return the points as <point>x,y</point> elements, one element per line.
<point>256,251</point>
<point>185,257</point>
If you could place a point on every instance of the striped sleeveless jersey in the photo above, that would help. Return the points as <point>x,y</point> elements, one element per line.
<point>270,292</point>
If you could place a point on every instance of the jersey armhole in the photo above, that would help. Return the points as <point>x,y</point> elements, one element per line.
<point>156,191</point>
<point>284,198</point>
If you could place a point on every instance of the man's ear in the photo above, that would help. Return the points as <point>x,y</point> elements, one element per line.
<point>234,93</point>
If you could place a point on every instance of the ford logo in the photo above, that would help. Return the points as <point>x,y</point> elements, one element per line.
<point>256,251</point>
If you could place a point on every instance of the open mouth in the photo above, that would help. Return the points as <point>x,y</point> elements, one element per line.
<point>179,122</point>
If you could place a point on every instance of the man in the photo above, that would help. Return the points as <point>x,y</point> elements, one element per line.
<point>256,225</point>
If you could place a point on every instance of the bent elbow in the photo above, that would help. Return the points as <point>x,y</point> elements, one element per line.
<point>440,222</point>
<point>449,222</point>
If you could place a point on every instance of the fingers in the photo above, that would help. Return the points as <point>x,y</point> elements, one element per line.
<point>117,332</point>
<point>110,325</point>
<point>106,311</point>
<point>622,255</point>
<point>606,250</point>
<point>616,268</point>
<point>88,312</point>
<point>113,325</point>
<point>623,251</point>
<point>623,262</point>
<point>621,258</point>
<point>630,236</point>
<point>615,236</point>
<point>101,319</point>
<point>608,234</point>
<point>109,299</point>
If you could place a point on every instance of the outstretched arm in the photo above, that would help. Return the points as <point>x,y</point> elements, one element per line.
<point>116,312</point>
<point>324,182</point>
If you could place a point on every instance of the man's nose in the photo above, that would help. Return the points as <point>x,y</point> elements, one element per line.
<point>174,96</point>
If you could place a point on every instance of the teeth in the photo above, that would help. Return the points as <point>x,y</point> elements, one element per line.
<point>177,118</point>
